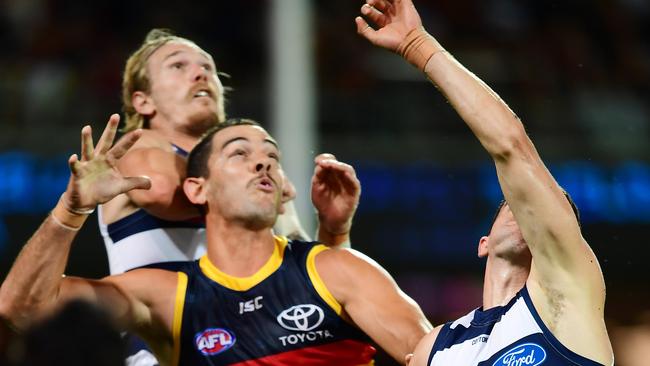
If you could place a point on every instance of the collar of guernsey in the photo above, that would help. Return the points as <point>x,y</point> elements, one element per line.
<point>180,151</point>
<point>271,265</point>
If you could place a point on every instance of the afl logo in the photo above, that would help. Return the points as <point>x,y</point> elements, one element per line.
<point>213,341</point>
<point>304,317</point>
<point>528,354</point>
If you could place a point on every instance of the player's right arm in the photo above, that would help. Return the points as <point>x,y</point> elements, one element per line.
<point>35,283</point>
<point>420,355</point>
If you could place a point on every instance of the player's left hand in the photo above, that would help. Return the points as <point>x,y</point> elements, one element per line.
<point>335,192</point>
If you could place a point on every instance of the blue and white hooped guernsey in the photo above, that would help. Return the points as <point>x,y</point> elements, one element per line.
<point>140,239</point>
<point>510,335</point>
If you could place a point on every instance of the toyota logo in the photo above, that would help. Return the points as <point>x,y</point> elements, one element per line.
<point>304,317</point>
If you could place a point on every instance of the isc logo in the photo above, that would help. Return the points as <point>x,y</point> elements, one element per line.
<point>250,305</point>
<point>213,341</point>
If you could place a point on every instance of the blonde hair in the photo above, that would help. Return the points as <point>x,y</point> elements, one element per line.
<point>135,76</point>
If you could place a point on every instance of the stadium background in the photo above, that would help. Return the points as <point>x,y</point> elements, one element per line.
<point>576,72</point>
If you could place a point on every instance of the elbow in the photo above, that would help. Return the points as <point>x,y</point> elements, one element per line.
<point>19,311</point>
<point>14,315</point>
<point>513,144</point>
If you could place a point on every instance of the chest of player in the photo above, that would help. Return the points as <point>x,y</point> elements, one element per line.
<point>281,317</point>
<point>512,335</point>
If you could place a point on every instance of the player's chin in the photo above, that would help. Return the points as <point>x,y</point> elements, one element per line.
<point>203,118</point>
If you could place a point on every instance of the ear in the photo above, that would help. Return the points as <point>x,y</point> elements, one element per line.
<point>195,190</point>
<point>483,246</point>
<point>143,103</point>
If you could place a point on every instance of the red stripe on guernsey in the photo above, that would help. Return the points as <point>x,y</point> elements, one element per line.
<point>343,353</point>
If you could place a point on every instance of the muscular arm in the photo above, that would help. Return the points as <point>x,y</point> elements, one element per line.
<point>35,286</point>
<point>373,301</point>
<point>35,282</point>
<point>565,280</point>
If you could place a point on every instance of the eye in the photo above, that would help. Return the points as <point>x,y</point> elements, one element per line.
<point>177,65</point>
<point>207,67</point>
<point>239,152</point>
<point>274,156</point>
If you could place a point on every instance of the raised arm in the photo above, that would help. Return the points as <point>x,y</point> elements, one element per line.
<point>565,280</point>
<point>372,299</point>
<point>35,282</point>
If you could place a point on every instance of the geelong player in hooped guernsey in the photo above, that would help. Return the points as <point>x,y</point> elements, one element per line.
<point>281,315</point>
<point>510,335</point>
<point>543,290</point>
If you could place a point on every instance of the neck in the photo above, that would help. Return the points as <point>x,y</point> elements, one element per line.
<point>176,133</point>
<point>184,140</point>
<point>503,278</point>
<point>237,250</point>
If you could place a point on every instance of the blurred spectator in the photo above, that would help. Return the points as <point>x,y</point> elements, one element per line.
<point>79,334</point>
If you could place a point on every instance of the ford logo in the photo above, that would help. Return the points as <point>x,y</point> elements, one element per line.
<point>527,354</point>
<point>304,317</point>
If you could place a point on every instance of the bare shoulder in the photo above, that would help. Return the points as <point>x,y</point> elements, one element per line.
<point>342,263</point>
<point>424,347</point>
<point>151,139</point>
<point>347,273</point>
<point>156,303</point>
<point>139,281</point>
<point>343,258</point>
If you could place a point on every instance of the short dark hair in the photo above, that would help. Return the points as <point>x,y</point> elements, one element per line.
<point>197,161</point>
<point>503,202</point>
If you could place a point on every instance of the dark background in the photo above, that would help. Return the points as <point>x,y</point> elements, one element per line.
<point>576,72</point>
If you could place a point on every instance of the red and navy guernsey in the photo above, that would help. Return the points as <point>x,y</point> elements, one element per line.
<point>282,315</point>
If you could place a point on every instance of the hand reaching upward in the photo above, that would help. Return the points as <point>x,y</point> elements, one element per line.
<point>95,179</point>
<point>392,19</point>
<point>335,192</point>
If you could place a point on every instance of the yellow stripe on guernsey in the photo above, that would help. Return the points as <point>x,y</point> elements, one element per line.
<point>246,283</point>
<point>181,289</point>
<point>318,282</point>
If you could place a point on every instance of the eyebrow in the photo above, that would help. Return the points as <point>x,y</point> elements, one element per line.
<point>207,56</point>
<point>235,139</point>
<point>173,54</point>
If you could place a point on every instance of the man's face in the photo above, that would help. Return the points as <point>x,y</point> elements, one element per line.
<point>185,89</point>
<point>245,181</point>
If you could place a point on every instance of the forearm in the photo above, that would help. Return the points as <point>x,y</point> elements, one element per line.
<point>34,280</point>
<point>495,125</point>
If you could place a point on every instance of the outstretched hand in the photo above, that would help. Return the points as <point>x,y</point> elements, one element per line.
<point>335,192</point>
<point>95,179</point>
<point>392,19</point>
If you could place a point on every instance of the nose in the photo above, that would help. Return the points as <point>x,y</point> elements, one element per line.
<point>261,166</point>
<point>200,73</point>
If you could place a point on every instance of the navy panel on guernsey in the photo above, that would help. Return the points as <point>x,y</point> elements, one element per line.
<point>510,335</point>
<point>282,315</point>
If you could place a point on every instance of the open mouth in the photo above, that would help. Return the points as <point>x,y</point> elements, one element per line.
<point>266,185</point>
<point>202,93</point>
